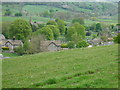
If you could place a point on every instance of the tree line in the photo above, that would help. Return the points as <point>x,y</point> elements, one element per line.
<point>74,33</point>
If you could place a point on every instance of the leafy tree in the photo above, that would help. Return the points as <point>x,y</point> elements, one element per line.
<point>5,29</point>
<point>35,44</point>
<point>75,33</point>
<point>8,12</point>
<point>93,27</point>
<point>47,31</point>
<point>34,27</point>
<point>98,27</point>
<point>26,46</point>
<point>51,22</point>
<point>117,39</point>
<point>70,32</point>
<point>61,26</point>
<point>51,10</point>
<point>78,20</point>
<point>55,31</point>
<point>21,29</point>
<point>80,30</point>
<point>71,44</point>
<point>41,26</point>
<point>46,14</point>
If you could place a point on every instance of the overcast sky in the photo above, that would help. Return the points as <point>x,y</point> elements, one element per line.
<point>59,0</point>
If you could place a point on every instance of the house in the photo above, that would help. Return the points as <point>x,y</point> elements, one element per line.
<point>51,45</point>
<point>11,44</point>
<point>96,41</point>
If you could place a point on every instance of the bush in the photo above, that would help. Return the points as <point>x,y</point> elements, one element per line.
<point>71,44</point>
<point>5,48</point>
<point>18,14</point>
<point>117,39</point>
<point>81,44</point>
<point>64,46</point>
<point>8,13</point>
<point>19,50</point>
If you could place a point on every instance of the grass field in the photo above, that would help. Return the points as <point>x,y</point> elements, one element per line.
<point>10,55</point>
<point>95,67</point>
<point>34,10</point>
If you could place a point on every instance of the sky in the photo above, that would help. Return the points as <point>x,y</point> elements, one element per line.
<point>59,0</point>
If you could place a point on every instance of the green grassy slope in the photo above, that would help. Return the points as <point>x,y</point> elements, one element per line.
<point>39,9</point>
<point>77,68</point>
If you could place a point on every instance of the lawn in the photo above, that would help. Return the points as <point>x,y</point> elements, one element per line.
<point>10,55</point>
<point>95,67</point>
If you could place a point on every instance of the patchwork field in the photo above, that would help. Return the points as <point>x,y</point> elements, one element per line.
<point>95,67</point>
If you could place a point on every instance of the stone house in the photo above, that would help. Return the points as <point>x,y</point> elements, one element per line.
<point>11,44</point>
<point>51,45</point>
<point>96,41</point>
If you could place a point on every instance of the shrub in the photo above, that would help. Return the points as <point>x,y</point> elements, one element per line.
<point>117,39</point>
<point>5,48</point>
<point>64,46</point>
<point>71,44</point>
<point>19,50</point>
<point>18,14</point>
<point>81,44</point>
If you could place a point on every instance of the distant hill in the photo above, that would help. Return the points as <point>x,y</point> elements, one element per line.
<point>64,10</point>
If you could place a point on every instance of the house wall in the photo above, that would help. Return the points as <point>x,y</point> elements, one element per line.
<point>52,47</point>
<point>9,45</point>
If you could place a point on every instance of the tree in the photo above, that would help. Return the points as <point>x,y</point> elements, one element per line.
<point>75,32</point>
<point>98,27</point>
<point>93,27</point>
<point>35,44</point>
<point>8,12</point>
<point>51,22</point>
<point>47,31</point>
<point>26,46</point>
<point>21,29</point>
<point>55,31</point>
<point>34,27</point>
<point>46,14</point>
<point>5,29</point>
<point>79,20</point>
<point>71,44</point>
<point>70,32</point>
<point>117,39</point>
<point>80,30</point>
<point>61,26</point>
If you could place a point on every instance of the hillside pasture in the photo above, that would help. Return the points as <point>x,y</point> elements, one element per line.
<point>95,67</point>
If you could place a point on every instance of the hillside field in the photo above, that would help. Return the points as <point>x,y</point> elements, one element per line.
<point>95,67</point>
<point>35,10</point>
